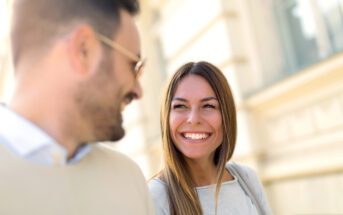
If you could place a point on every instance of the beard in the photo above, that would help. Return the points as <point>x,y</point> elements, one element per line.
<point>99,101</point>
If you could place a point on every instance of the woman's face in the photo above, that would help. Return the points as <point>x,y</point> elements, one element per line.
<point>195,119</point>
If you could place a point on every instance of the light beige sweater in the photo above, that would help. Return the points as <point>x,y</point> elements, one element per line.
<point>103,182</point>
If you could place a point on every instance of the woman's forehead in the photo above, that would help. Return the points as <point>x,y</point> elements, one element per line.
<point>193,86</point>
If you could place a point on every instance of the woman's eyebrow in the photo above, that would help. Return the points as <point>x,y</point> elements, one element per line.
<point>202,100</point>
<point>208,99</point>
<point>179,99</point>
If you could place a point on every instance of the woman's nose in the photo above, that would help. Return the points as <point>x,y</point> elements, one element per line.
<point>194,116</point>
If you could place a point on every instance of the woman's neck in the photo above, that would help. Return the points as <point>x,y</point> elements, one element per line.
<point>204,173</point>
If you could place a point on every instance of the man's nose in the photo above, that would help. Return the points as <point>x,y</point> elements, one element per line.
<point>137,91</point>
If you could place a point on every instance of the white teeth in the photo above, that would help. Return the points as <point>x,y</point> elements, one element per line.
<point>196,136</point>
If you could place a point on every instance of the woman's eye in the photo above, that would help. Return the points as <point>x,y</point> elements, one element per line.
<point>179,106</point>
<point>209,106</point>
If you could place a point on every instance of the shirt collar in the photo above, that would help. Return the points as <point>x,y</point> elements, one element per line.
<point>28,141</point>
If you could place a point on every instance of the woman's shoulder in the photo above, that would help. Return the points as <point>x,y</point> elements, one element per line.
<point>251,177</point>
<point>248,175</point>
<point>244,171</point>
<point>158,191</point>
<point>157,186</point>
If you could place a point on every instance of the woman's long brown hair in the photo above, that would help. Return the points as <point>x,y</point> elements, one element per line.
<point>183,198</point>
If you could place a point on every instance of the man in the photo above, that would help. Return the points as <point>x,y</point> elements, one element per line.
<point>76,64</point>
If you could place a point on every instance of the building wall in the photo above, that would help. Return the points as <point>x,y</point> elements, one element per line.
<point>6,71</point>
<point>300,120</point>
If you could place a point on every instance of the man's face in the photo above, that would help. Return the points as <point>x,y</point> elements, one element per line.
<point>113,86</point>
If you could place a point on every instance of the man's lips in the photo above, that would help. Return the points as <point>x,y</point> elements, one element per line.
<point>122,106</point>
<point>127,100</point>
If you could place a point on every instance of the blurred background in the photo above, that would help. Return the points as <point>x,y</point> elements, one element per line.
<point>284,62</point>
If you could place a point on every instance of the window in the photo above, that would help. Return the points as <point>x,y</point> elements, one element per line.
<point>310,30</point>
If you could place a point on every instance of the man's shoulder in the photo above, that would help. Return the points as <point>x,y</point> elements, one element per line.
<point>102,151</point>
<point>107,157</point>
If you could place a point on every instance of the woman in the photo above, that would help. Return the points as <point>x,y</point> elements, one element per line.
<point>198,126</point>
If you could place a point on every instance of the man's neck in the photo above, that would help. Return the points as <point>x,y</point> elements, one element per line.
<point>50,120</point>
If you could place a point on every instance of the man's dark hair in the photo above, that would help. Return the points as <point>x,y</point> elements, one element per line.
<point>37,22</point>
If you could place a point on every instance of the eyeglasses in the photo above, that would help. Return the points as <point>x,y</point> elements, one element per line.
<point>140,63</point>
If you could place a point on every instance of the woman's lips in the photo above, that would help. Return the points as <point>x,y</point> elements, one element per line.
<point>195,136</point>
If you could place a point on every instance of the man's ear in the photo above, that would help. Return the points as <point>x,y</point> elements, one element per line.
<point>84,51</point>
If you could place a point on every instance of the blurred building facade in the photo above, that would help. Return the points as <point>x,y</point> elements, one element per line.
<point>284,62</point>
<point>6,71</point>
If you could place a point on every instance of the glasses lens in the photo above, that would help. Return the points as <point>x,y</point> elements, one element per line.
<point>139,68</point>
